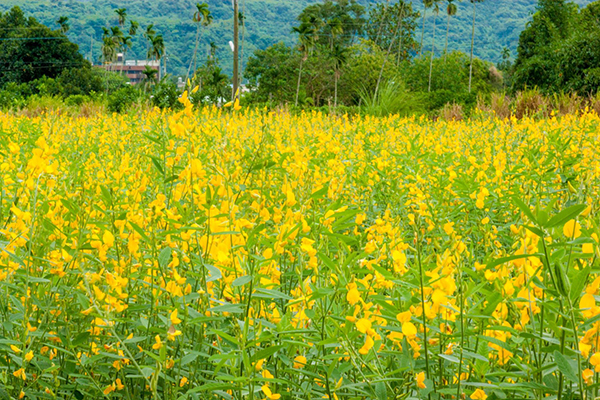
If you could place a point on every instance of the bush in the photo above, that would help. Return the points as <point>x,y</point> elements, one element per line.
<point>122,99</point>
<point>166,95</point>
<point>76,100</point>
<point>391,98</point>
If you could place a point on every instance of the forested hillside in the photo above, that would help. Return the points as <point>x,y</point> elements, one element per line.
<point>498,24</point>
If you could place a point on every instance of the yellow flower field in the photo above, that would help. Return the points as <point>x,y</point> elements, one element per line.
<point>248,255</point>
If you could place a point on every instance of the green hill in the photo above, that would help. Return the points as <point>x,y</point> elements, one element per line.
<point>499,23</point>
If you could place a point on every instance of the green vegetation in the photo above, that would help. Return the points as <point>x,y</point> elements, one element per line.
<point>267,22</point>
<point>393,57</point>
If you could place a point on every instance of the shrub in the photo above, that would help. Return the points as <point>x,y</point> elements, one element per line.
<point>122,99</point>
<point>165,95</point>
<point>391,98</point>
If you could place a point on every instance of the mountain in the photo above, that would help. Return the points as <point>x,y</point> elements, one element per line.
<point>498,25</point>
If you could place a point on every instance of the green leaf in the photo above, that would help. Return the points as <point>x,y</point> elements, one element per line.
<point>188,358</point>
<point>164,257</point>
<point>565,215</point>
<point>579,282</point>
<point>81,338</point>
<point>503,260</point>
<point>381,391</point>
<point>564,366</point>
<point>525,209</point>
<point>241,281</point>
<point>264,353</point>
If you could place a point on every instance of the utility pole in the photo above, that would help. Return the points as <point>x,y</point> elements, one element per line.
<point>236,74</point>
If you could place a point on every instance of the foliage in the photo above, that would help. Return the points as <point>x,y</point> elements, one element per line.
<point>558,51</point>
<point>249,254</point>
<point>450,79</point>
<point>122,99</point>
<point>391,27</point>
<point>392,98</point>
<point>30,50</point>
<point>165,95</point>
<point>213,85</point>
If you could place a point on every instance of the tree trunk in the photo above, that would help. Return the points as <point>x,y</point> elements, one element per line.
<point>447,33</point>
<point>432,52</point>
<point>299,78</point>
<point>193,60</point>
<point>236,28</point>
<point>398,26</point>
<point>472,45</point>
<point>423,31</point>
<point>336,89</point>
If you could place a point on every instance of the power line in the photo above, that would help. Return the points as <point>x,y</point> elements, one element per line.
<point>35,38</point>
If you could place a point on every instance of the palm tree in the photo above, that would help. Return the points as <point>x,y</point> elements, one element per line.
<point>121,16</point>
<point>474,2</point>
<point>336,29</point>
<point>64,24</point>
<point>125,45</point>
<point>339,55</point>
<point>436,11</point>
<point>202,17</point>
<point>426,4</point>
<point>133,27</point>
<point>149,35</point>
<point>451,11</point>
<point>304,32</point>
<point>116,35</point>
<point>149,76</point>
<point>157,50</point>
<point>397,33</point>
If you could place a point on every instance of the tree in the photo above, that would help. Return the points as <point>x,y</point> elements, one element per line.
<point>202,17</point>
<point>212,83</point>
<point>149,36</point>
<point>426,4</point>
<point>332,18</point>
<point>474,2</point>
<point>339,56</point>
<point>305,45</point>
<point>436,11</point>
<point>451,10</point>
<point>157,50</point>
<point>63,22</point>
<point>121,16</point>
<point>27,60</point>
<point>133,28</point>
<point>149,77</point>
<point>393,26</point>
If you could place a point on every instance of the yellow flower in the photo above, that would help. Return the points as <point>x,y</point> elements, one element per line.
<point>20,373</point>
<point>158,344</point>
<point>369,342</point>
<point>299,362</point>
<point>363,325</point>
<point>183,381</point>
<point>353,295</point>
<point>479,395</point>
<point>587,375</point>
<point>108,238</point>
<point>15,348</point>
<point>409,329</point>
<point>29,356</point>
<point>270,395</point>
<point>420,377</point>
<point>110,388</point>
<point>174,319</point>
<point>587,305</point>
<point>572,229</point>
<point>595,361</point>
<point>259,364</point>
<point>448,228</point>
